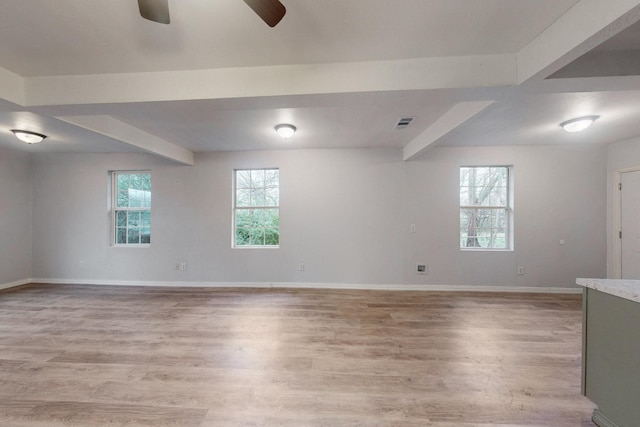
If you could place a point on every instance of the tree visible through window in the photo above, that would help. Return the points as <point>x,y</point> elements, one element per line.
<point>131,208</point>
<point>485,214</point>
<point>257,208</point>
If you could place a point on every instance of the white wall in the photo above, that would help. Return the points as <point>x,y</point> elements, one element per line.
<point>559,195</point>
<point>344,213</point>
<point>621,155</point>
<point>15,216</point>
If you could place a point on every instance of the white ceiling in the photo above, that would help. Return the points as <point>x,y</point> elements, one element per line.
<point>53,37</point>
<point>96,77</point>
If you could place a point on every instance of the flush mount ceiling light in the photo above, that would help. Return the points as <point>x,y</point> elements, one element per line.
<point>578,124</point>
<point>28,136</point>
<point>285,130</point>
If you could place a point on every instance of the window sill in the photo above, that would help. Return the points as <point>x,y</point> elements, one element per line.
<point>485,250</point>
<point>255,247</point>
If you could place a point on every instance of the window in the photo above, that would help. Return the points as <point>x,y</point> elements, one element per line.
<point>485,207</point>
<point>256,208</point>
<point>131,192</point>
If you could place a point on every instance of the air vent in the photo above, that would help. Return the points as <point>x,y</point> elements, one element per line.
<point>403,123</point>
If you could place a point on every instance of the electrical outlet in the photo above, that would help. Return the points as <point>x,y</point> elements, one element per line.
<point>520,270</point>
<point>301,266</point>
<point>183,266</point>
<point>422,269</point>
<point>83,264</point>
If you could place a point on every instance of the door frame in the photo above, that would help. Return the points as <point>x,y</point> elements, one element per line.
<point>617,219</point>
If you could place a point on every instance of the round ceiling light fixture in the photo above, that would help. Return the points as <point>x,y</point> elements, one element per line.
<point>578,124</point>
<point>285,130</point>
<point>28,136</point>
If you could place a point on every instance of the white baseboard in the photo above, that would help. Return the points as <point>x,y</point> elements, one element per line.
<point>313,285</point>
<point>14,284</point>
<point>601,420</point>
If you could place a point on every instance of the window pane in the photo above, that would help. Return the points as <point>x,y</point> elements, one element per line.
<point>477,185</point>
<point>469,228</point>
<point>136,198</point>
<point>146,182</point>
<point>243,218</point>
<point>257,189</point>
<point>243,179</point>
<point>123,182</point>
<point>272,197</point>
<point>499,221</point>
<point>257,178</point>
<point>467,217</point>
<point>482,195</point>
<point>486,228</point>
<point>272,178</point>
<point>498,196</point>
<point>145,235</point>
<point>121,219</point>
<point>499,176</point>
<point>464,196</point>
<point>271,236</point>
<point>133,235</point>
<point>145,199</point>
<point>257,218</point>
<point>123,199</point>
<point>242,236</point>
<point>243,197</point>
<point>257,237</point>
<point>488,188</point>
<point>257,197</point>
<point>133,219</point>
<point>482,176</point>
<point>133,190</point>
<point>272,218</point>
<point>463,238</point>
<point>135,181</point>
<point>121,235</point>
<point>145,217</point>
<point>464,177</point>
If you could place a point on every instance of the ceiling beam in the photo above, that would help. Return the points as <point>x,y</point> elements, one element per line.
<point>12,87</point>
<point>279,80</point>
<point>580,29</point>
<point>457,115</point>
<point>591,84</point>
<point>116,129</point>
<point>602,63</point>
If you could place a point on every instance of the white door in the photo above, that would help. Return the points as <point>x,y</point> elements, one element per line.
<point>630,220</point>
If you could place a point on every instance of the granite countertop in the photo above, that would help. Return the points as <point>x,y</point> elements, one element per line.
<point>627,289</point>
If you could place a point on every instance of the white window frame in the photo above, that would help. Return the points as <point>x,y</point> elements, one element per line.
<point>115,209</point>
<point>507,208</point>
<point>236,208</point>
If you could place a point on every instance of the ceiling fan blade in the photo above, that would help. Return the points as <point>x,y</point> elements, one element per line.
<point>155,10</point>
<point>271,11</point>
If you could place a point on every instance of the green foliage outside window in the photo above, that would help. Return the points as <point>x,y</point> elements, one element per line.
<point>257,211</point>
<point>132,208</point>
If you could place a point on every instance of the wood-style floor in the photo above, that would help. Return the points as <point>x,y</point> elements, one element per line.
<point>119,356</point>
